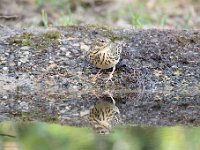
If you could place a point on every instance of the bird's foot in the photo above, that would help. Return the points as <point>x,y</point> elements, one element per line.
<point>109,78</point>
<point>95,77</point>
<point>110,95</point>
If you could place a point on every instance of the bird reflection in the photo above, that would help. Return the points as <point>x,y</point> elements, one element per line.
<point>103,116</point>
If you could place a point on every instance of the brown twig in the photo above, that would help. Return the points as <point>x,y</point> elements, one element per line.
<point>9,17</point>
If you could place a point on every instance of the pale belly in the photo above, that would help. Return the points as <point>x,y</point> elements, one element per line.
<point>107,66</point>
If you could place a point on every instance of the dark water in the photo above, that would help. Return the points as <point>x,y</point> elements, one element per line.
<point>119,120</point>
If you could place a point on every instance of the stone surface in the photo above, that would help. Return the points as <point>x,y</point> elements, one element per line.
<point>44,75</point>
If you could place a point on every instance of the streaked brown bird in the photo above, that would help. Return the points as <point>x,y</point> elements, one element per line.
<point>103,115</point>
<point>105,54</point>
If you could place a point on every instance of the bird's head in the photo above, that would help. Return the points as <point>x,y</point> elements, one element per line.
<point>102,42</point>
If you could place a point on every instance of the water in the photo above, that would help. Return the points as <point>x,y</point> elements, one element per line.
<point>135,120</point>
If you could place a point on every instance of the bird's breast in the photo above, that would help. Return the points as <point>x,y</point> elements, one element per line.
<point>103,59</point>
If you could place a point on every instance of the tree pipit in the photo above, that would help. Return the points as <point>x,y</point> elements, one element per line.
<point>105,54</point>
<point>102,115</point>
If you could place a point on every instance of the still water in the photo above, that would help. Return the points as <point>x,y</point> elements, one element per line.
<point>124,120</point>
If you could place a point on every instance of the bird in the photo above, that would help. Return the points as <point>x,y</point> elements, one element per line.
<point>103,115</point>
<point>105,54</point>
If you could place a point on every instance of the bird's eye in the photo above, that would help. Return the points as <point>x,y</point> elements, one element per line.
<point>102,41</point>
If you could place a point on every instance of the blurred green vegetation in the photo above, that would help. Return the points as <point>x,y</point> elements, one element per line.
<point>178,14</point>
<point>42,136</point>
<point>137,13</point>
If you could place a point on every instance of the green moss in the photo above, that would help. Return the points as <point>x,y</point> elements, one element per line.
<point>24,39</point>
<point>195,39</point>
<point>51,35</point>
<point>38,42</point>
<point>187,40</point>
<point>182,39</point>
<point>26,42</point>
<point>37,114</point>
<point>117,38</point>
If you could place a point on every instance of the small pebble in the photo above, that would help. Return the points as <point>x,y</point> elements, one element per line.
<point>25,48</point>
<point>26,53</point>
<point>5,97</point>
<point>5,68</point>
<point>76,44</point>
<point>2,58</point>
<point>51,61</point>
<point>19,63</point>
<point>63,49</point>
<point>67,53</point>
<point>24,60</point>
<point>65,42</point>
<point>84,47</point>
<point>84,113</point>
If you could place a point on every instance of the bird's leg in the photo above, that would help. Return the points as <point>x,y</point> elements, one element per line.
<point>111,74</point>
<point>112,99</point>
<point>98,73</point>
<point>94,77</point>
<point>110,95</point>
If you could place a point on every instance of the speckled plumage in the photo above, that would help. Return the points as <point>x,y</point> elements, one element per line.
<point>102,115</point>
<point>105,54</point>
